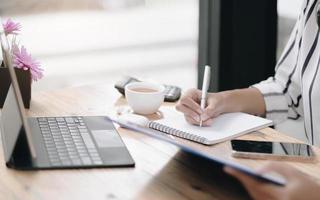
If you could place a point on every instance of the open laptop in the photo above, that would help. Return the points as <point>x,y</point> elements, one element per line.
<point>56,142</point>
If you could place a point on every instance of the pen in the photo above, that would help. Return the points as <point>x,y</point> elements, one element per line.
<point>1,52</point>
<point>205,86</point>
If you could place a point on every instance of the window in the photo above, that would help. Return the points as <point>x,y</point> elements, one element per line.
<point>95,41</point>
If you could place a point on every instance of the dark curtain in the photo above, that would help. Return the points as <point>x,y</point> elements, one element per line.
<point>238,38</point>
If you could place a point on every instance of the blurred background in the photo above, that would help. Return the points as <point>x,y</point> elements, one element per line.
<point>98,41</point>
<point>89,41</point>
<point>92,41</point>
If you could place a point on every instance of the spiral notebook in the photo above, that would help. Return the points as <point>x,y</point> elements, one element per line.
<point>224,127</point>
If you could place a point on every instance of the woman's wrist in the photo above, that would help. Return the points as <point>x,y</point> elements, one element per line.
<point>221,101</point>
<point>230,101</point>
<point>248,100</point>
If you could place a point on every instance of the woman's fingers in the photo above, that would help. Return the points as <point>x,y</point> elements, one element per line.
<point>207,114</point>
<point>193,93</point>
<point>190,120</point>
<point>208,122</point>
<point>187,111</point>
<point>190,103</point>
<point>196,121</point>
<point>189,107</point>
<point>212,109</point>
<point>280,168</point>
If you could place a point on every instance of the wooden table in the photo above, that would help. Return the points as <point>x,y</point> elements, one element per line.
<point>161,171</point>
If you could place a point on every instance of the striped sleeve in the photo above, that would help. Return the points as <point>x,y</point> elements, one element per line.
<point>275,101</point>
<point>277,90</point>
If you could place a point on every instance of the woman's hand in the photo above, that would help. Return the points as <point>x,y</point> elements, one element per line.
<point>299,185</point>
<point>248,100</point>
<point>190,106</point>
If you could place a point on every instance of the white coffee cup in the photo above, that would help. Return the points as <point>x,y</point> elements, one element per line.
<point>144,97</point>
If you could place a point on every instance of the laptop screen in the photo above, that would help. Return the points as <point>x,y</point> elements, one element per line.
<point>11,123</point>
<point>12,114</point>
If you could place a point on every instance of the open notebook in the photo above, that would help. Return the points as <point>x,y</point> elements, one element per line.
<point>224,127</point>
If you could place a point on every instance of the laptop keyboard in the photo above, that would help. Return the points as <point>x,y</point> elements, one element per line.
<point>68,141</point>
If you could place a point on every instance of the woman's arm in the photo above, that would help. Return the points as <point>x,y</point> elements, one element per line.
<point>298,186</point>
<point>249,100</point>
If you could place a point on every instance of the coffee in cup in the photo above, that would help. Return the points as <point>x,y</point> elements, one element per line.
<point>144,97</point>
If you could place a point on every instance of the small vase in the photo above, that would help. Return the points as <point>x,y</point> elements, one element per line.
<point>24,81</point>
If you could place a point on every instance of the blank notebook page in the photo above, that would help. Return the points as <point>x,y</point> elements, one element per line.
<point>224,127</point>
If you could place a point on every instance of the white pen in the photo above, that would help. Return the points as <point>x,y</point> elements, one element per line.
<point>205,87</point>
<point>1,35</point>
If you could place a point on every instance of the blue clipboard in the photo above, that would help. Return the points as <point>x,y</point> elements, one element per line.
<point>162,136</point>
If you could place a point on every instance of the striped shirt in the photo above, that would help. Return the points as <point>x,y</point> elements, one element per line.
<point>294,91</point>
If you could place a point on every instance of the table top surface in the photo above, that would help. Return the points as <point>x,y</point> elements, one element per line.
<point>162,171</point>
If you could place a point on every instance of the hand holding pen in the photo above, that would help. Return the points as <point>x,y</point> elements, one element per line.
<point>204,92</point>
<point>190,106</point>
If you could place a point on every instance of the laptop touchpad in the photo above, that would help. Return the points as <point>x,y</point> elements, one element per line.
<point>107,138</point>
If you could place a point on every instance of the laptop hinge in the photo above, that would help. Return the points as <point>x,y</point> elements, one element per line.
<point>21,156</point>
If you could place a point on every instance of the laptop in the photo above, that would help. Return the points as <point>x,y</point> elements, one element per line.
<point>56,142</point>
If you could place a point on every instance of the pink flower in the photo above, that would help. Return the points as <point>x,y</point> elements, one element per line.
<point>11,27</point>
<point>23,60</point>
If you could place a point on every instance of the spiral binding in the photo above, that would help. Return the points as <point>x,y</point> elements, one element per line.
<point>175,132</point>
